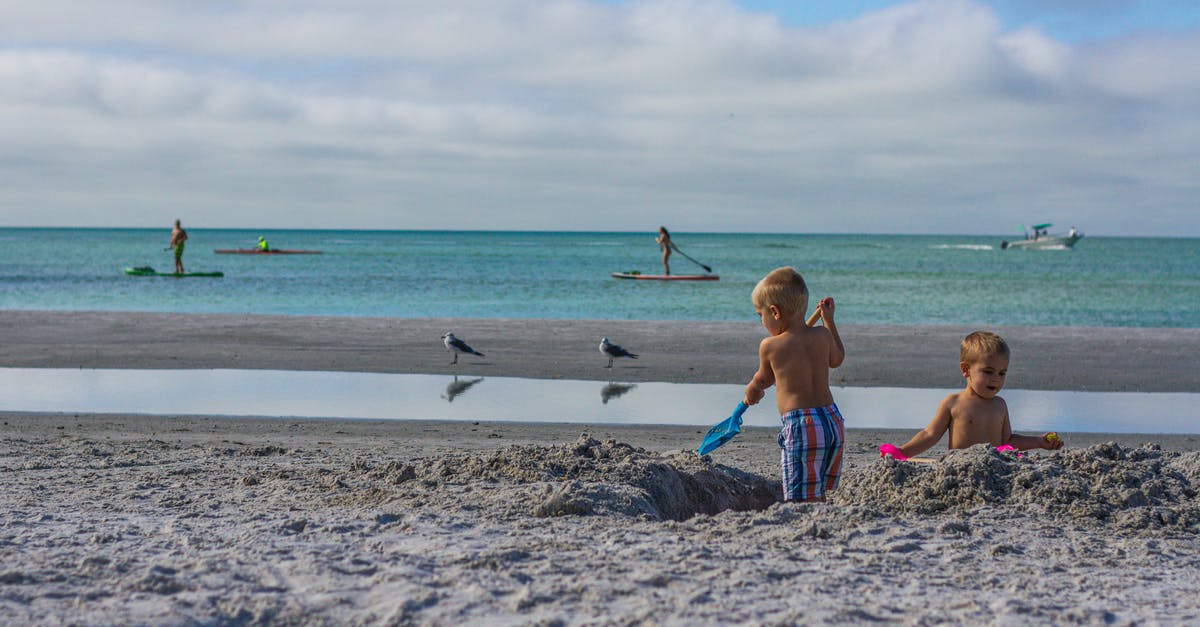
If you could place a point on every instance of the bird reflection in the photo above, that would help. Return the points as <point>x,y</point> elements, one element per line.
<point>456,387</point>
<point>614,390</point>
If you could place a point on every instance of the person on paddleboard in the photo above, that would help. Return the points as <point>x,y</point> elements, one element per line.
<point>178,237</point>
<point>664,242</point>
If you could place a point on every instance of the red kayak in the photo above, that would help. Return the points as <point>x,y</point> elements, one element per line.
<point>665,277</point>
<point>255,251</point>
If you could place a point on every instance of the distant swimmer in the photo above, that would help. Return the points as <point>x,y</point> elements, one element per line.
<point>612,351</point>
<point>664,242</point>
<point>178,237</point>
<point>457,346</point>
<point>263,245</point>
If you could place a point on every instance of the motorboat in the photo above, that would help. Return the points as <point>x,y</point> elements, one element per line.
<point>1042,239</point>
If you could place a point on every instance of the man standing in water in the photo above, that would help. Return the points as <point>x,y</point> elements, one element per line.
<point>664,242</point>
<point>178,237</point>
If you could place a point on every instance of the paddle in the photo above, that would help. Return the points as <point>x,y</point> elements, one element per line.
<point>725,430</point>
<point>706,268</point>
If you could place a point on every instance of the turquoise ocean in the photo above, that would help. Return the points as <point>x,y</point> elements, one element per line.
<point>875,279</point>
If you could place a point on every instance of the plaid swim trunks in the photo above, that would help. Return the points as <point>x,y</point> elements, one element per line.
<point>811,452</point>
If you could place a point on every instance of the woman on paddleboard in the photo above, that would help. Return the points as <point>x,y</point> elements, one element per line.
<point>664,242</point>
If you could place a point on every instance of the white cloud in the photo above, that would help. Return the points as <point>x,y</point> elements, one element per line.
<point>570,114</point>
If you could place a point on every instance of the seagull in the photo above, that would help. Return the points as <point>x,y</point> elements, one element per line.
<point>612,351</point>
<point>457,346</point>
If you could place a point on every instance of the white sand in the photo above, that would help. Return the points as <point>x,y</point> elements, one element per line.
<point>169,520</point>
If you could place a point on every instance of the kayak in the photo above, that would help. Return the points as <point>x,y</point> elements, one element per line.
<point>273,251</point>
<point>665,277</point>
<point>146,271</point>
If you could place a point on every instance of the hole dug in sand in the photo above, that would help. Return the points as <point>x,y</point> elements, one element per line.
<point>591,477</point>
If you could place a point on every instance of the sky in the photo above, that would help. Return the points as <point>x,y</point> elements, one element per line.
<point>850,116</point>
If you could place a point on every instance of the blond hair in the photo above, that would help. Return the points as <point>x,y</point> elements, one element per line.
<point>784,288</point>
<point>981,344</point>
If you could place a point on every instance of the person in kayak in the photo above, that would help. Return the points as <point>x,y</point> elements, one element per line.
<point>178,237</point>
<point>664,242</point>
<point>263,245</point>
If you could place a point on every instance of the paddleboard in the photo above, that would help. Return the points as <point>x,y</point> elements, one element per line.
<point>665,277</point>
<point>273,251</point>
<point>153,272</point>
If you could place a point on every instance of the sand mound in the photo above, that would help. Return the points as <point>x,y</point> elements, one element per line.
<point>1137,489</point>
<point>593,477</point>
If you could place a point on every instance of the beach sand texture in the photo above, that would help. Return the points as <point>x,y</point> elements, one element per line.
<point>118,519</point>
<point>155,520</point>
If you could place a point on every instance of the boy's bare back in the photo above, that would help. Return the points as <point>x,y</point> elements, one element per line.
<point>796,358</point>
<point>799,360</point>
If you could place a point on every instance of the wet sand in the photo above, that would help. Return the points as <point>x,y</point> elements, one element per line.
<point>1044,358</point>
<point>120,519</point>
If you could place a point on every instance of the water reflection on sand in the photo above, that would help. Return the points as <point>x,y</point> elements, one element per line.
<point>457,388</point>
<point>434,397</point>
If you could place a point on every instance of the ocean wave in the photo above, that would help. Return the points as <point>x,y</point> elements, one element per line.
<point>870,245</point>
<point>963,247</point>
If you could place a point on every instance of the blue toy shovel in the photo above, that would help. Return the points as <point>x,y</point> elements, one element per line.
<point>723,431</point>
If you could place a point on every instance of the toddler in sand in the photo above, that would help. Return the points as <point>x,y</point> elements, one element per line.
<point>975,415</point>
<point>796,359</point>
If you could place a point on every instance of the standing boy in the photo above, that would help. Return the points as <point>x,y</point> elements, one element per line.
<point>976,415</point>
<point>178,237</point>
<point>796,359</point>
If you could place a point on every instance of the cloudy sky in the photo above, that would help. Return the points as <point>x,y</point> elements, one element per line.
<point>933,116</point>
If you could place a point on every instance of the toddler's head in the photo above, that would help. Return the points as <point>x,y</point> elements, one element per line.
<point>980,345</point>
<point>784,288</point>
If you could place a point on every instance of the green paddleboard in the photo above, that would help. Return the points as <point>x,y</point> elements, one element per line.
<point>148,271</point>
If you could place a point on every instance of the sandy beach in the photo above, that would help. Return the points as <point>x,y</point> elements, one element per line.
<point>184,519</point>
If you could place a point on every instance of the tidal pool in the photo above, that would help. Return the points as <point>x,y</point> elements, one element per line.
<point>439,397</point>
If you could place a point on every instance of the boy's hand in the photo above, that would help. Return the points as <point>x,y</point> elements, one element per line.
<point>826,308</point>
<point>892,450</point>
<point>1052,441</point>
<point>754,394</point>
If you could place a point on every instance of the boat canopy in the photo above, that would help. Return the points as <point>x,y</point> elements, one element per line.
<point>1041,226</point>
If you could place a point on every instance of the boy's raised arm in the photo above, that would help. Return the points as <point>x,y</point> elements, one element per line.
<point>838,354</point>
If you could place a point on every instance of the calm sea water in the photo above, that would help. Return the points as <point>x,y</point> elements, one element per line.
<point>937,279</point>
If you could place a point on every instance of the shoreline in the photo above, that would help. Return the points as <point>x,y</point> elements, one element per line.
<point>1100,359</point>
